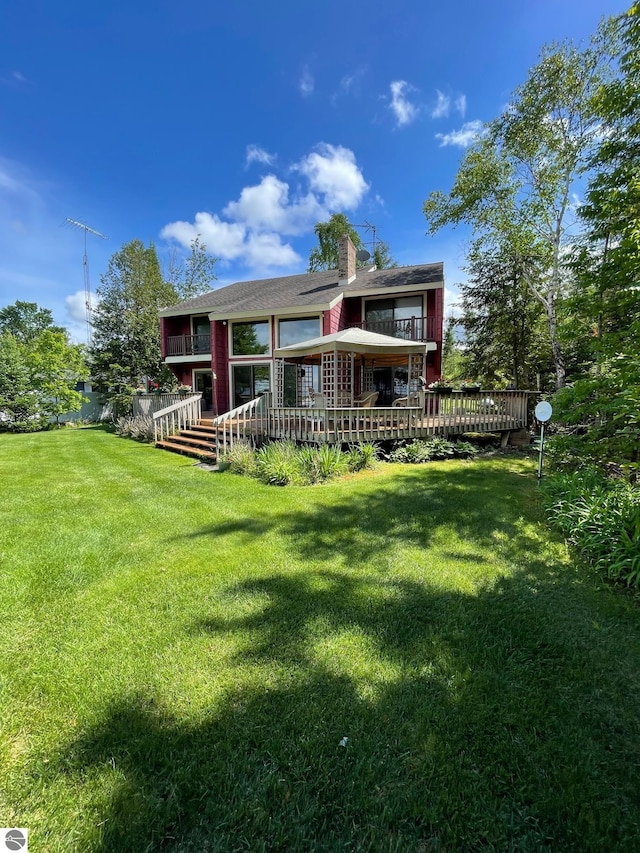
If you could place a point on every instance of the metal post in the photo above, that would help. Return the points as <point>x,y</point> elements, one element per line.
<point>541,452</point>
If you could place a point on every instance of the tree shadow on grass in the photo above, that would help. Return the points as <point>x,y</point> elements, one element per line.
<point>367,524</point>
<point>492,721</point>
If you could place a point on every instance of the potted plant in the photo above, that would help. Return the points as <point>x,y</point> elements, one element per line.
<point>441,386</point>
<point>184,389</point>
<point>470,386</point>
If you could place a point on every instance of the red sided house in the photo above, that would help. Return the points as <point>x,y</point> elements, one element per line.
<point>228,344</point>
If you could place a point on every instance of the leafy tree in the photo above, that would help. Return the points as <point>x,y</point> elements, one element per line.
<point>26,320</point>
<point>56,366</point>
<point>514,186</point>
<point>125,348</point>
<point>606,398</point>
<point>382,257</point>
<point>18,399</point>
<point>194,274</point>
<point>325,255</point>
<point>39,370</point>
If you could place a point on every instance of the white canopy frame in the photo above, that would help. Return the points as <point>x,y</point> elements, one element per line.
<point>343,353</point>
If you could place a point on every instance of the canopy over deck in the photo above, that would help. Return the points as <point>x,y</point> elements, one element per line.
<point>355,341</point>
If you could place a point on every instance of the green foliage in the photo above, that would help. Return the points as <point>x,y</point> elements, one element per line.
<point>325,255</point>
<point>505,333</point>
<point>362,456</point>
<point>39,369</point>
<point>600,517</point>
<point>241,458</point>
<point>125,349</point>
<point>139,427</point>
<point>193,275</point>
<point>433,449</point>
<point>514,185</point>
<point>283,462</point>
<point>605,401</point>
<point>26,320</point>
<point>276,463</point>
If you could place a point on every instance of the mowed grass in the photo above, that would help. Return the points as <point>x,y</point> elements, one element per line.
<point>182,654</point>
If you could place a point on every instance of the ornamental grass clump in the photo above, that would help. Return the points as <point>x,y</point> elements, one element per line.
<point>600,517</point>
<point>277,464</point>
<point>139,427</point>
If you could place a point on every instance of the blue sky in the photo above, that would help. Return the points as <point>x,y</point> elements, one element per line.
<point>245,122</point>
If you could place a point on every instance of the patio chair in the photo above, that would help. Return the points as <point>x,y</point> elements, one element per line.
<point>366,400</point>
<point>409,400</point>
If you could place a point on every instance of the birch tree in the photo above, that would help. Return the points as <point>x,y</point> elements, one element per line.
<point>515,185</point>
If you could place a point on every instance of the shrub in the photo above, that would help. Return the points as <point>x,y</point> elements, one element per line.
<point>600,517</point>
<point>241,458</point>
<point>139,427</point>
<point>422,451</point>
<point>362,456</point>
<point>331,461</point>
<point>276,463</point>
<point>465,450</point>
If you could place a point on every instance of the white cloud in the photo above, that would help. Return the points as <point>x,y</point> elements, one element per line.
<point>306,83</point>
<point>469,133</point>
<point>461,105</point>
<point>266,207</point>
<point>75,306</point>
<point>442,107</point>
<point>255,154</point>
<point>250,229</point>
<point>232,241</point>
<point>225,240</point>
<point>332,171</point>
<point>404,111</point>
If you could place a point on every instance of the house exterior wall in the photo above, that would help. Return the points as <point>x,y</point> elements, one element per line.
<point>334,319</point>
<point>347,311</point>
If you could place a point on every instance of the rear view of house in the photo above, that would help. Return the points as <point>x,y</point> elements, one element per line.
<point>224,343</point>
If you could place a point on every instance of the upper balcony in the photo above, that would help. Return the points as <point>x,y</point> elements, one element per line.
<point>410,329</point>
<point>184,345</point>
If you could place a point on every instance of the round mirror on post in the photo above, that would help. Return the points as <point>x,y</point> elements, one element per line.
<point>543,412</point>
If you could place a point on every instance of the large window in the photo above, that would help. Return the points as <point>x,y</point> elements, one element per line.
<point>295,331</point>
<point>250,338</point>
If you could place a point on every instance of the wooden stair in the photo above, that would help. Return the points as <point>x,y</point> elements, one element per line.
<point>198,441</point>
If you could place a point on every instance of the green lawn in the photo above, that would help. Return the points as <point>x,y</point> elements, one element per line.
<point>181,654</point>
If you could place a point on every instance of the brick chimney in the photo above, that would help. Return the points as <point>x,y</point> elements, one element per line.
<point>346,260</point>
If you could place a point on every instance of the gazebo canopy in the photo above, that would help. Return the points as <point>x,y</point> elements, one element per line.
<point>355,341</point>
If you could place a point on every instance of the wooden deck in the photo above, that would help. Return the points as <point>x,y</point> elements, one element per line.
<point>442,415</point>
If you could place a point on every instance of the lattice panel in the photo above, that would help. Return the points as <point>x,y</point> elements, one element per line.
<point>278,378</point>
<point>416,373</point>
<point>367,379</point>
<point>344,379</point>
<point>329,379</point>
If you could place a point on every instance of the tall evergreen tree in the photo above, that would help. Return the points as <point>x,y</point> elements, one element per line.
<point>125,348</point>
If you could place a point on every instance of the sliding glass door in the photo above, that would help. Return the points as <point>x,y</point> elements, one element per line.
<point>250,381</point>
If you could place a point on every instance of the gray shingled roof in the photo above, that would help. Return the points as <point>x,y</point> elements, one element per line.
<point>314,288</point>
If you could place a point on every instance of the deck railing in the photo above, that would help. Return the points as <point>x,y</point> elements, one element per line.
<point>176,416</point>
<point>188,344</point>
<point>409,329</point>
<point>451,414</point>
<point>246,422</point>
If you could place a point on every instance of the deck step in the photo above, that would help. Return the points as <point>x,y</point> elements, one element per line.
<point>187,450</point>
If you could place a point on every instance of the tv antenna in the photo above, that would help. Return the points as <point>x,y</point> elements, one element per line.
<point>361,254</point>
<point>85,264</point>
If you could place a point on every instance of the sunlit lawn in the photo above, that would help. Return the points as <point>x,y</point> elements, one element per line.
<point>182,654</point>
